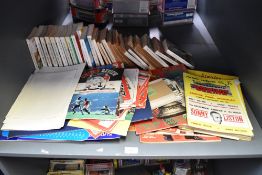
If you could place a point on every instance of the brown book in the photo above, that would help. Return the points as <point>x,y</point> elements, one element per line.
<point>108,50</point>
<point>109,40</point>
<point>143,54</point>
<point>159,50</point>
<point>94,40</point>
<point>129,46</point>
<point>101,47</point>
<point>146,44</point>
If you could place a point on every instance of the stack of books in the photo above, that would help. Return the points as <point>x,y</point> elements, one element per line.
<point>58,46</point>
<point>122,80</point>
<point>177,11</point>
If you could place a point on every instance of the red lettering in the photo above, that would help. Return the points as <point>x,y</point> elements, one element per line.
<point>199,113</point>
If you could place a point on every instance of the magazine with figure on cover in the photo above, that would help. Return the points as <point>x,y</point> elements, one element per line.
<point>96,95</point>
<point>215,105</point>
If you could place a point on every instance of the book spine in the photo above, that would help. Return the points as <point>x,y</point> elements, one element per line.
<point>79,59</point>
<point>71,50</point>
<point>111,55</point>
<point>129,56</point>
<point>40,50</point>
<point>90,52</point>
<point>61,51</point>
<point>79,47</point>
<point>93,52</point>
<point>100,59</point>
<point>56,51</point>
<point>107,57</point>
<point>74,50</point>
<point>32,52</point>
<point>138,58</point>
<point>166,58</point>
<point>155,57</point>
<point>67,54</point>
<point>46,54</point>
<point>51,51</point>
<point>85,53</point>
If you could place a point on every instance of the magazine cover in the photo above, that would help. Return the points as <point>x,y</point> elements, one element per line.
<point>215,105</point>
<point>159,124</point>
<point>172,109</point>
<point>142,89</point>
<point>96,95</point>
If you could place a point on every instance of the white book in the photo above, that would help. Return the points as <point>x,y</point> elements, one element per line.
<point>146,47</point>
<point>179,55</point>
<point>138,58</point>
<point>33,49</point>
<point>70,44</point>
<point>55,47</point>
<point>94,40</point>
<point>103,53</point>
<point>84,48</point>
<point>134,60</point>
<point>74,36</point>
<point>39,46</point>
<point>60,47</point>
<point>43,44</point>
<point>65,46</point>
<point>89,38</point>
<point>49,45</point>
<point>163,56</point>
<point>106,47</point>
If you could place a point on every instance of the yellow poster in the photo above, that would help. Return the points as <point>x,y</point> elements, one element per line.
<point>215,105</point>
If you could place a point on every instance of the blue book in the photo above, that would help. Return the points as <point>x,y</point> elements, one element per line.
<point>143,114</point>
<point>90,52</point>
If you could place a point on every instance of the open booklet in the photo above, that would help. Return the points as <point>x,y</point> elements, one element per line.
<point>43,102</point>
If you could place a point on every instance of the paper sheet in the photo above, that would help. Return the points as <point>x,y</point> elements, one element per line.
<point>43,102</point>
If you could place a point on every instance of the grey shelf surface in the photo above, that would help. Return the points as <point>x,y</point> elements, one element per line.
<point>130,147</point>
<point>207,57</point>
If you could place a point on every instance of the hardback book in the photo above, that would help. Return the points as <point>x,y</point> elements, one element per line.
<point>49,45</point>
<point>83,40</point>
<point>96,95</point>
<point>147,47</point>
<point>159,50</point>
<point>160,94</point>
<point>94,40</point>
<point>178,54</point>
<point>33,49</point>
<point>66,165</point>
<point>216,105</point>
<point>55,46</point>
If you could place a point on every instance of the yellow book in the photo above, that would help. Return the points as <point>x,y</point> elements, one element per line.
<point>215,105</point>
